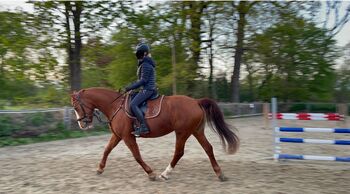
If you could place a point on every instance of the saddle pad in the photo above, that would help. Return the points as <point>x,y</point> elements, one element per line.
<point>152,111</point>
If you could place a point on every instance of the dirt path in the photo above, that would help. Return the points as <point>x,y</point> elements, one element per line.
<point>69,167</point>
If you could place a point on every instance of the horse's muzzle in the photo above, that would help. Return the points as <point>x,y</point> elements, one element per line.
<point>85,123</point>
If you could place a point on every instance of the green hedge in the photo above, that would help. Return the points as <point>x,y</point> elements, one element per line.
<point>315,108</point>
<point>17,129</point>
<point>63,134</point>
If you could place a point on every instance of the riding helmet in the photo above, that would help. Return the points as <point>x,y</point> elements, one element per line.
<point>141,49</point>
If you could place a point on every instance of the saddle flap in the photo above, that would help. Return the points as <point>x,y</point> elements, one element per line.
<point>151,108</point>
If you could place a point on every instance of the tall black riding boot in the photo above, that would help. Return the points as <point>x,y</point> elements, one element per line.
<point>143,129</point>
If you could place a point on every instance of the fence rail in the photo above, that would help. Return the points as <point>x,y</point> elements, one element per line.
<point>234,110</point>
<point>30,111</point>
<point>42,119</point>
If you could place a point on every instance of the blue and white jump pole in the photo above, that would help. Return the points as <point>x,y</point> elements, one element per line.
<point>305,116</point>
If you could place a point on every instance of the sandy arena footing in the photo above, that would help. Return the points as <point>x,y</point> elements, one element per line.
<point>69,166</point>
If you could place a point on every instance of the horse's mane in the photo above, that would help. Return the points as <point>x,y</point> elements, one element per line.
<point>101,89</point>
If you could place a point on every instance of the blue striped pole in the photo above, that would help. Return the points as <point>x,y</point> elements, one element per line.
<point>278,139</point>
<point>315,141</point>
<point>312,157</point>
<point>321,130</point>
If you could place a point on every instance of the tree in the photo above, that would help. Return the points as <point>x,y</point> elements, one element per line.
<point>296,59</point>
<point>242,8</point>
<point>342,86</point>
<point>339,20</point>
<point>222,86</point>
<point>96,55</point>
<point>194,11</point>
<point>122,68</point>
<point>24,64</point>
<point>214,21</point>
<point>14,39</point>
<point>245,10</point>
<point>69,22</point>
<point>178,31</point>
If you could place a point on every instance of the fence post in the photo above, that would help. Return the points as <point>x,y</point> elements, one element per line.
<point>266,111</point>
<point>66,117</point>
<point>274,107</point>
<point>308,107</point>
<point>343,110</point>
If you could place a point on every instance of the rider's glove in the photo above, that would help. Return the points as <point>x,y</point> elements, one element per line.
<point>126,89</point>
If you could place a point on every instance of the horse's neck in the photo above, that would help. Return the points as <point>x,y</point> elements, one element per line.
<point>104,102</point>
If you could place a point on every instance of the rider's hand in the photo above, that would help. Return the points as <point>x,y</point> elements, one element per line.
<point>126,89</point>
<point>122,90</point>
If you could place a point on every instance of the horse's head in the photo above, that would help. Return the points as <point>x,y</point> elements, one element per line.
<point>83,108</point>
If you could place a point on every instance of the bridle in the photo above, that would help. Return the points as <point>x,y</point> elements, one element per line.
<point>95,113</point>
<point>86,116</point>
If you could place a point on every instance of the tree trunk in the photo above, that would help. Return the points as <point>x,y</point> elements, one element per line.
<point>196,11</point>
<point>242,10</point>
<point>77,45</point>
<point>68,9</point>
<point>251,87</point>
<point>211,87</point>
<point>173,61</point>
<point>74,45</point>
<point>1,66</point>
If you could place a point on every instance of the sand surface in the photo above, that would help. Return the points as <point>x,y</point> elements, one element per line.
<point>69,166</point>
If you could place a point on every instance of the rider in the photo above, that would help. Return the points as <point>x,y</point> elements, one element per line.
<point>147,79</point>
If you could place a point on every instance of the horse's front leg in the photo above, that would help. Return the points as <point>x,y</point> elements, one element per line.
<point>111,144</point>
<point>130,141</point>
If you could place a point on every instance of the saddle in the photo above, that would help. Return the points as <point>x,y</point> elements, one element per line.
<point>151,108</point>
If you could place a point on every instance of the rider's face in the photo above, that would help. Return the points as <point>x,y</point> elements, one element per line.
<point>140,56</point>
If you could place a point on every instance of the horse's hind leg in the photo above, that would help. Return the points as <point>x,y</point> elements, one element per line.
<point>181,139</point>
<point>134,148</point>
<point>200,136</point>
<point>111,144</point>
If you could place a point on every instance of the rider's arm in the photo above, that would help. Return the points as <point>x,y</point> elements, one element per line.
<point>146,74</point>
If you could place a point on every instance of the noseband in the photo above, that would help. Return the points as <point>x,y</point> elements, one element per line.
<point>85,117</point>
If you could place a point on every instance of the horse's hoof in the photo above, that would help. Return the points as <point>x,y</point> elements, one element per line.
<point>99,171</point>
<point>152,177</point>
<point>164,178</point>
<point>222,178</point>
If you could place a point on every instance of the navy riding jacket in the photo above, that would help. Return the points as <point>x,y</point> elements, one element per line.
<point>146,74</point>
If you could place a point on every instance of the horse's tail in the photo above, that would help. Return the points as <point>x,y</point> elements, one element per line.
<point>216,121</point>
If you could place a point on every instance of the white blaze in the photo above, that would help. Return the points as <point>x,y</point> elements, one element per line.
<point>78,117</point>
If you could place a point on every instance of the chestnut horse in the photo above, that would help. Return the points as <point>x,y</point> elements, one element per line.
<point>182,114</point>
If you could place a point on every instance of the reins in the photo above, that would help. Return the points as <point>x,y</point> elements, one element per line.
<point>96,113</point>
<point>118,97</point>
